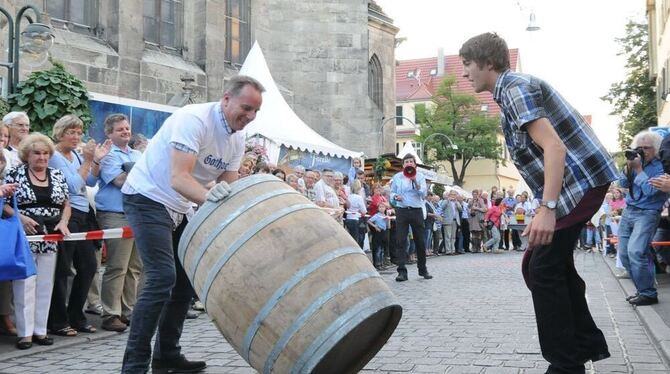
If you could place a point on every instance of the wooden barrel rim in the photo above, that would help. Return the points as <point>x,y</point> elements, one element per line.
<point>281,343</point>
<point>343,325</point>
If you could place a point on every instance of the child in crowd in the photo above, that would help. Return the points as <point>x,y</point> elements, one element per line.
<point>379,224</point>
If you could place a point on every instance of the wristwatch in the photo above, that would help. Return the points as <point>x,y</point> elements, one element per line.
<point>549,204</point>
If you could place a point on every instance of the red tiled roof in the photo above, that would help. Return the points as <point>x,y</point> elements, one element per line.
<point>423,88</point>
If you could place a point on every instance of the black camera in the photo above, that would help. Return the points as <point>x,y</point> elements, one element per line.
<point>631,154</point>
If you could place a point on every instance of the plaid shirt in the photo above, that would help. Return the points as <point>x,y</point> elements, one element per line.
<point>523,99</point>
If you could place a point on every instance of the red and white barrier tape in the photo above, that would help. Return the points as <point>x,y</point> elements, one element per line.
<point>120,233</point>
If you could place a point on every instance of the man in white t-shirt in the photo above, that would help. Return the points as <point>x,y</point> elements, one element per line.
<point>197,144</point>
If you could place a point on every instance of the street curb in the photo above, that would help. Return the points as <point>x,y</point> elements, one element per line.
<point>66,342</point>
<point>655,325</point>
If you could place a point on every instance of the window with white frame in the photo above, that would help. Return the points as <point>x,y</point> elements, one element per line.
<point>76,15</point>
<point>238,31</point>
<point>163,23</point>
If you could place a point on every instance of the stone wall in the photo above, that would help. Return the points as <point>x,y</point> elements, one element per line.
<point>317,51</point>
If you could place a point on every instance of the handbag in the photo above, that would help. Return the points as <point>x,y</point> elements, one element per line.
<point>16,260</point>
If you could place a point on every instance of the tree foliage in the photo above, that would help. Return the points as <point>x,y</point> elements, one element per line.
<point>458,116</point>
<point>48,95</point>
<point>634,98</point>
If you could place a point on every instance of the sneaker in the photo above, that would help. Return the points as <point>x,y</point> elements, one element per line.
<point>94,309</point>
<point>178,365</point>
<point>113,323</point>
<point>192,315</point>
<point>197,305</point>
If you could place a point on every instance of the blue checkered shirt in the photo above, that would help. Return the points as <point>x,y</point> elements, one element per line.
<point>523,99</point>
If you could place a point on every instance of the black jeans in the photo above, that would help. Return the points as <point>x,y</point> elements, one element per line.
<point>568,335</point>
<point>465,232</point>
<point>406,218</point>
<point>81,255</point>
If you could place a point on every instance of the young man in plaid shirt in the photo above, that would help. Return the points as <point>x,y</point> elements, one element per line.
<point>568,169</point>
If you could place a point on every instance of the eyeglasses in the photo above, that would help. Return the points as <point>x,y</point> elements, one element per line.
<point>73,133</point>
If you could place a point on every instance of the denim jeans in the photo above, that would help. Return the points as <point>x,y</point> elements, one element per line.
<point>167,292</point>
<point>663,252</point>
<point>495,239</point>
<point>636,230</point>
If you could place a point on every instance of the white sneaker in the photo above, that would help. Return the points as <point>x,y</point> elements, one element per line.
<point>623,275</point>
<point>197,305</point>
<point>94,309</point>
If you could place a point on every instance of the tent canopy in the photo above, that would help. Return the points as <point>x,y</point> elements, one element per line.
<point>276,120</point>
<point>409,149</point>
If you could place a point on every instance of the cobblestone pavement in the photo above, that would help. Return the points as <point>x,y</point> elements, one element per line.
<point>476,316</point>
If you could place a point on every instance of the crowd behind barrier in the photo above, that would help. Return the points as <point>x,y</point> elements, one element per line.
<point>66,232</point>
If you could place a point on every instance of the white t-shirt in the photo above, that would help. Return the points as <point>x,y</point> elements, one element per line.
<point>201,128</point>
<point>356,206</point>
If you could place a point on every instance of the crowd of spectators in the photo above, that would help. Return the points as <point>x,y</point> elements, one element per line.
<point>49,180</point>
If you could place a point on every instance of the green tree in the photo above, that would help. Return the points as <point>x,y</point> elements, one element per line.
<point>634,98</point>
<point>48,95</point>
<point>458,116</point>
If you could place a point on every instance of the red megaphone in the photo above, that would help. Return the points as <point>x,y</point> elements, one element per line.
<point>409,171</point>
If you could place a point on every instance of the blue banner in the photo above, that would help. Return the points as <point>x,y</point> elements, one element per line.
<point>310,160</point>
<point>142,120</point>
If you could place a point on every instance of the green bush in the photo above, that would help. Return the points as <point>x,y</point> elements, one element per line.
<point>48,95</point>
<point>4,106</point>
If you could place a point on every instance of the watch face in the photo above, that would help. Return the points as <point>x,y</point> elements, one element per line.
<point>551,204</point>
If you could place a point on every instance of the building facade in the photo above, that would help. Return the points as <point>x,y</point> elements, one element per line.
<point>319,52</point>
<point>658,15</point>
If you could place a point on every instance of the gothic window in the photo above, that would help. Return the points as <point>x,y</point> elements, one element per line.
<point>238,31</point>
<point>77,15</point>
<point>375,82</point>
<point>163,23</point>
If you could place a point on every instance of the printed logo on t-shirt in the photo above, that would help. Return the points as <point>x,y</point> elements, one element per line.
<point>216,162</point>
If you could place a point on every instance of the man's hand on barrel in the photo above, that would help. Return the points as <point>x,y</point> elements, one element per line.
<point>219,192</point>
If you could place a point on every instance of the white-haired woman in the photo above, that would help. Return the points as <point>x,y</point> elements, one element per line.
<point>19,127</point>
<point>641,215</point>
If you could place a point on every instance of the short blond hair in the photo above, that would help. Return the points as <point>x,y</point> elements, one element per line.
<point>28,144</point>
<point>68,121</point>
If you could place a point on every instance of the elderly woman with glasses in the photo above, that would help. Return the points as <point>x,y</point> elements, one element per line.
<point>66,316</point>
<point>19,127</point>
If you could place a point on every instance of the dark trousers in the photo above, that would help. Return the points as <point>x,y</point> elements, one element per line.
<point>167,292</point>
<point>516,239</point>
<point>463,244</point>
<point>568,335</point>
<point>379,239</point>
<point>406,218</point>
<point>354,230</point>
<point>69,311</point>
<point>393,243</point>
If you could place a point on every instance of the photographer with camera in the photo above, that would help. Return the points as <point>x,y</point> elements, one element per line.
<point>642,213</point>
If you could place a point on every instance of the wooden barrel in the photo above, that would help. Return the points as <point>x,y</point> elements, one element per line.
<point>285,284</point>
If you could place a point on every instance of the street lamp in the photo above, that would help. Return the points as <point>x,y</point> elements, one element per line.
<point>381,128</point>
<point>33,43</point>
<point>423,145</point>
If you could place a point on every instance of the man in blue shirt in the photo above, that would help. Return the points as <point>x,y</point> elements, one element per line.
<point>641,216</point>
<point>408,194</point>
<point>119,282</point>
<point>568,169</point>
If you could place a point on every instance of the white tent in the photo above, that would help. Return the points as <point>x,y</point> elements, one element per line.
<point>277,122</point>
<point>409,149</point>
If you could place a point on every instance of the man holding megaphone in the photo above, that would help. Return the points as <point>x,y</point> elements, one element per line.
<point>408,190</point>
